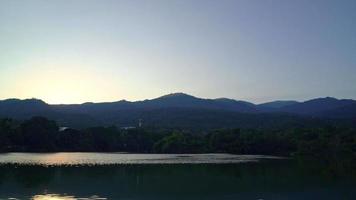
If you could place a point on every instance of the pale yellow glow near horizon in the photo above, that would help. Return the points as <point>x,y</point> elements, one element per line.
<point>58,85</point>
<point>76,82</point>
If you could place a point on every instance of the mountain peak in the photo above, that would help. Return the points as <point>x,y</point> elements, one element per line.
<point>326,98</point>
<point>177,94</point>
<point>32,100</point>
<point>224,99</point>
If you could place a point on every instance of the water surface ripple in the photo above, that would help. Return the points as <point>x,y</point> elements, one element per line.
<point>62,159</point>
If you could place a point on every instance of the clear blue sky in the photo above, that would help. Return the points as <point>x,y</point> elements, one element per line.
<point>257,50</point>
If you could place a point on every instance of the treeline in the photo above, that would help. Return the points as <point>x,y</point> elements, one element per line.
<point>39,134</point>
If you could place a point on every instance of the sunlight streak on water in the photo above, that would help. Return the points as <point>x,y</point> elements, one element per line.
<point>60,197</point>
<point>62,159</point>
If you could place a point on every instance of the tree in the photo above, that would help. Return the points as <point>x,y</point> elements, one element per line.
<point>39,134</point>
<point>5,132</point>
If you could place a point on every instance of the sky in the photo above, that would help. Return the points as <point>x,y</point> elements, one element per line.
<point>75,51</point>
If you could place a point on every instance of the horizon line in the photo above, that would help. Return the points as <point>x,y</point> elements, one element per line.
<point>171,94</point>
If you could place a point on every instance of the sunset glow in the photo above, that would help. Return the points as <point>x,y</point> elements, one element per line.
<point>89,51</point>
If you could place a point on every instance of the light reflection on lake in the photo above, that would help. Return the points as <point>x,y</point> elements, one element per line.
<point>60,197</point>
<point>52,197</point>
<point>49,159</point>
<point>277,179</point>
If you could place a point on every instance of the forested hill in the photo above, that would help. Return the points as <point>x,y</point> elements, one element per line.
<point>186,111</point>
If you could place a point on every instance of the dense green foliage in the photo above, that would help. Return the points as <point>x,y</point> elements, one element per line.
<point>41,134</point>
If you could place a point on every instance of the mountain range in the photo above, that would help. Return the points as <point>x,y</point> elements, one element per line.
<point>183,110</point>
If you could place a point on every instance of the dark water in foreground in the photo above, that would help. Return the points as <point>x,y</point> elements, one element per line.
<point>267,179</point>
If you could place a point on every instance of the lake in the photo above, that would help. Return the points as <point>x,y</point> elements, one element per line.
<point>80,176</point>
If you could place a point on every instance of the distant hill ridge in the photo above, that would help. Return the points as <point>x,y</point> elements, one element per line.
<point>126,113</point>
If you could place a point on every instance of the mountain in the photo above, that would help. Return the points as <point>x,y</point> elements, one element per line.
<point>22,108</point>
<point>181,100</point>
<point>183,110</point>
<point>174,100</point>
<point>316,107</point>
<point>348,111</point>
<point>234,105</point>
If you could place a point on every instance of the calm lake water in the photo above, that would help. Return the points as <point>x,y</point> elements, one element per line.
<point>72,176</point>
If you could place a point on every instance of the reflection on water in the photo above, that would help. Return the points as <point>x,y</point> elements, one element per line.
<point>53,197</point>
<point>60,197</point>
<point>276,179</point>
<point>50,159</point>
